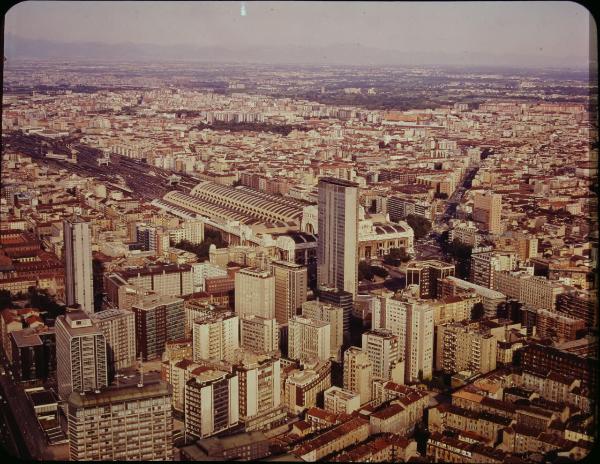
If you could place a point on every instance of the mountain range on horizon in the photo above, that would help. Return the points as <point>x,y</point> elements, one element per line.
<point>17,48</point>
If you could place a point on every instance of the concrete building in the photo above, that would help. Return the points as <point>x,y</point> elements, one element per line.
<point>291,281</point>
<point>450,286</point>
<point>358,373</point>
<point>337,244</point>
<point>81,360</point>
<point>211,402</point>
<point>259,335</point>
<point>334,315</point>
<point>78,263</point>
<point>485,264</point>
<point>383,349</point>
<point>132,423</point>
<point>118,327</point>
<point>259,391</point>
<point>487,212</point>
<point>215,337</point>
<point>462,346</point>
<point>255,293</point>
<point>340,401</point>
<point>166,279</point>
<point>303,386</point>
<point>158,320</point>
<point>533,291</point>
<point>309,339</point>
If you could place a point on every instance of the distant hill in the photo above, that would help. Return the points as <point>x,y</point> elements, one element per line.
<point>21,48</point>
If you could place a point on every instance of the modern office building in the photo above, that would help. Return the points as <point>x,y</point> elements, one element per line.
<point>337,244</point>
<point>158,320</point>
<point>166,279</point>
<point>485,264</point>
<point>255,293</point>
<point>309,339</point>
<point>79,287</point>
<point>291,281</point>
<point>302,387</point>
<point>215,336</point>
<point>81,359</point>
<point>132,423</point>
<point>358,373</point>
<point>118,327</point>
<point>33,353</point>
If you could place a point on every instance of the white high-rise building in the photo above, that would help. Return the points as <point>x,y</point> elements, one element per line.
<point>215,337</point>
<point>118,327</point>
<point>79,288</point>
<point>291,281</point>
<point>334,315</point>
<point>259,335</point>
<point>358,373</point>
<point>337,244</point>
<point>383,349</point>
<point>308,339</point>
<point>81,360</point>
<point>255,293</point>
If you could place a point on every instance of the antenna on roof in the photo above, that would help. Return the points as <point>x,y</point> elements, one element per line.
<point>141,383</point>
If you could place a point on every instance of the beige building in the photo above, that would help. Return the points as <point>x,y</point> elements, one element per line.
<point>309,339</point>
<point>487,212</point>
<point>462,346</point>
<point>215,337</point>
<point>358,373</point>
<point>303,386</point>
<point>255,293</point>
<point>340,401</point>
<point>291,282</point>
<point>259,335</point>
<point>334,315</point>
<point>121,424</point>
<point>533,291</point>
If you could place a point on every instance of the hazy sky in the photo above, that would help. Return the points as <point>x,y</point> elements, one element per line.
<point>553,30</point>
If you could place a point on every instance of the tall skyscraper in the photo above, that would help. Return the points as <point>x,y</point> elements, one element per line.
<point>255,293</point>
<point>79,288</point>
<point>132,423</point>
<point>337,245</point>
<point>487,212</point>
<point>291,281</point>
<point>81,360</point>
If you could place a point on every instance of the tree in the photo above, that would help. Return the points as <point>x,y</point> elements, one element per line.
<point>462,255</point>
<point>420,225</point>
<point>364,271</point>
<point>379,271</point>
<point>5,299</point>
<point>396,256</point>
<point>477,311</point>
